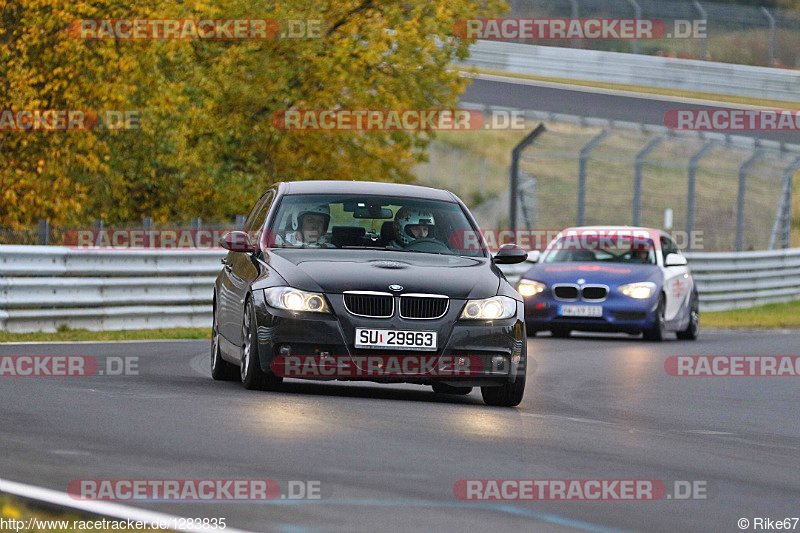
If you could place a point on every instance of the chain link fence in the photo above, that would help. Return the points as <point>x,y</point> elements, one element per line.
<point>740,34</point>
<point>576,175</point>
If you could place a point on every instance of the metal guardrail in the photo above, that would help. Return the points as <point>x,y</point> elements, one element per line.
<point>732,280</point>
<point>42,288</point>
<point>632,69</point>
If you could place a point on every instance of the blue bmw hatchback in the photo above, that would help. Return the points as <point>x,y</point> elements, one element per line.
<point>611,279</point>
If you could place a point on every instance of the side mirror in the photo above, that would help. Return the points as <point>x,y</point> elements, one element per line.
<point>675,260</point>
<point>237,241</point>
<point>510,254</point>
<point>534,256</point>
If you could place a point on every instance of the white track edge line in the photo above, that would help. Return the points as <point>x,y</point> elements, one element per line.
<point>111,510</point>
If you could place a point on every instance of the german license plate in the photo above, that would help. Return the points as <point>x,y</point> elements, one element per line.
<point>581,310</point>
<point>397,340</point>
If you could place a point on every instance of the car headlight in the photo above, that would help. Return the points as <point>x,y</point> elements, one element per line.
<point>640,290</point>
<point>529,287</point>
<point>494,308</point>
<point>292,299</point>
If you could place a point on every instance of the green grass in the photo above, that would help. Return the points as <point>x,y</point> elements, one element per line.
<point>12,508</point>
<point>782,315</point>
<point>73,335</point>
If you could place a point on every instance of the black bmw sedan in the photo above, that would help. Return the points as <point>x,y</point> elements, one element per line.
<point>362,281</point>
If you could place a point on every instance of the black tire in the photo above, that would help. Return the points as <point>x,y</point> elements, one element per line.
<point>560,333</point>
<point>221,370</point>
<point>658,331</point>
<point>508,395</point>
<point>253,378</point>
<point>693,328</point>
<point>443,388</point>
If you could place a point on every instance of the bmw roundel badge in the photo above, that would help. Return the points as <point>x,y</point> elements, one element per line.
<point>396,287</point>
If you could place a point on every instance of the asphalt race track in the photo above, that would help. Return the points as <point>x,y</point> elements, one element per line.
<point>588,102</point>
<point>387,457</point>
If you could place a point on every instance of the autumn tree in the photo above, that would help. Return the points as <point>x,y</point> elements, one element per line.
<point>207,146</point>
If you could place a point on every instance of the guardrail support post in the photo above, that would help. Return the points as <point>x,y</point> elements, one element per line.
<point>147,225</point>
<point>240,220</point>
<point>693,163</point>
<point>771,44</point>
<point>513,178</point>
<point>97,224</point>
<point>583,158</point>
<point>44,232</point>
<point>704,18</point>
<point>641,157</point>
<point>197,223</point>
<point>743,170</point>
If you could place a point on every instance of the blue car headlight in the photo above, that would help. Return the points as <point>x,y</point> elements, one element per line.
<point>494,308</point>
<point>529,287</point>
<point>641,290</point>
<point>292,299</point>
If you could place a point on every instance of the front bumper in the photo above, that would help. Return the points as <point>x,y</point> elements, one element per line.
<point>620,314</point>
<point>499,344</point>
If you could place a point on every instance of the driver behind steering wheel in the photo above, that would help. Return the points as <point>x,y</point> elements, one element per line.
<point>411,224</point>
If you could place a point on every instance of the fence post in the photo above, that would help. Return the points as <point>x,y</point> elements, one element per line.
<point>44,232</point>
<point>693,163</point>
<point>783,218</point>
<point>574,14</point>
<point>513,178</point>
<point>771,44</point>
<point>743,170</point>
<point>197,223</point>
<point>641,157</point>
<point>637,14</point>
<point>704,18</point>
<point>240,220</point>
<point>583,158</point>
<point>97,224</point>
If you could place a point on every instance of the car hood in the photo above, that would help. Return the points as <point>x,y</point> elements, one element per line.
<point>336,270</point>
<point>611,274</point>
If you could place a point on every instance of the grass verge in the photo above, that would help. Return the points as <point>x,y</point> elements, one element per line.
<point>73,335</point>
<point>782,315</point>
<point>46,521</point>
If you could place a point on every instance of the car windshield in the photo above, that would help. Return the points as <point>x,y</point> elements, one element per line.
<point>401,224</point>
<point>583,250</point>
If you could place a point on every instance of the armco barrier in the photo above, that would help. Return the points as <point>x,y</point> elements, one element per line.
<point>633,69</point>
<point>43,287</point>
<point>732,280</point>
